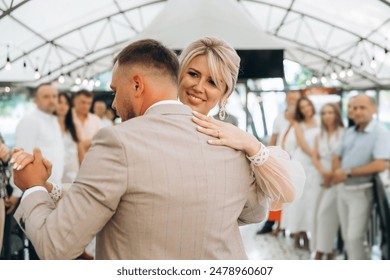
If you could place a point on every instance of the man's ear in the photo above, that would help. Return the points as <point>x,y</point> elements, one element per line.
<point>139,86</point>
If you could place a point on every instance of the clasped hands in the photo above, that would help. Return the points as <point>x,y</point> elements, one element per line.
<point>333,178</point>
<point>30,170</point>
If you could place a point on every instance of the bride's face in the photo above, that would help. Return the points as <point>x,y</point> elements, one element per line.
<point>196,87</point>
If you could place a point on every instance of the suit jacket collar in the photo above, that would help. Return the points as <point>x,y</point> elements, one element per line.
<point>169,109</point>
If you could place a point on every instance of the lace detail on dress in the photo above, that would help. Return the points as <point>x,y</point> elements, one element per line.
<point>260,157</point>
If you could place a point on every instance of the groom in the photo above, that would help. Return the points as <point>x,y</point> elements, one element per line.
<point>149,188</point>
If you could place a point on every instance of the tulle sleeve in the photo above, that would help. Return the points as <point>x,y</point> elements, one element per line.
<point>279,178</point>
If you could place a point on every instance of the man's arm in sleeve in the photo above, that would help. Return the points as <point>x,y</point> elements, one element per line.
<point>63,232</point>
<point>256,208</point>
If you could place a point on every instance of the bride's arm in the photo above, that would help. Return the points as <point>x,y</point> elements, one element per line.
<point>280,178</point>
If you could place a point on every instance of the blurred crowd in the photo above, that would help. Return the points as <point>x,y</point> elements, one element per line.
<point>340,160</point>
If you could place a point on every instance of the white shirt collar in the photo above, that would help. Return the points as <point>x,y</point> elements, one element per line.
<point>163,102</point>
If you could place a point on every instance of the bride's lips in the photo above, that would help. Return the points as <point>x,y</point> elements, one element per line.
<point>195,99</point>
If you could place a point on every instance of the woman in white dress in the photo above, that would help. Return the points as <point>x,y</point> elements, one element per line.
<point>300,212</point>
<point>326,220</point>
<point>74,150</point>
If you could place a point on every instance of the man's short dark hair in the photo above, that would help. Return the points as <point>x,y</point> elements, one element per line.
<point>84,92</point>
<point>150,53</point>
<point>39,86</point>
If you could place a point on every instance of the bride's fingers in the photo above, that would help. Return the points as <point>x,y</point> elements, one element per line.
<point>15,155</point>
<point>216,142</point>
<point>22,160</point>
<point>210,132</point>
<point>25,161</point>
<point>205,118</point>
<point>16,150</point>
<point>203,123</point>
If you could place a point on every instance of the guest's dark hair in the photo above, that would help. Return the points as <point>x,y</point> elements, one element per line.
<point>69,124</point>
<point>299,117</point>
<point>84,92</point>
<point>151,54</point>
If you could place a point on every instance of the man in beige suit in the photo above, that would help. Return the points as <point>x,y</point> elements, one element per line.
<point>149,188</point>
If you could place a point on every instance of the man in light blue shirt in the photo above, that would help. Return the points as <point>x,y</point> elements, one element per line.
<point>363,153</point>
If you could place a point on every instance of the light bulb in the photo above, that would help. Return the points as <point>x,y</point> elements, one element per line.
<point>37,75</point>
<point>61,79</point>
<point>8,65</point>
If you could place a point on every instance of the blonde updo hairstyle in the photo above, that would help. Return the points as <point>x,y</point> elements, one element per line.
<point>223,61</point>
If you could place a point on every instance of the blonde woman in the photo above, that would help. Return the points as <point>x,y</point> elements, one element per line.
<point>208,75</point>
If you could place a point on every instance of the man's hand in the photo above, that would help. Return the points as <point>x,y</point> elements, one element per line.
<point>339,176</point>
<point>33,174</point>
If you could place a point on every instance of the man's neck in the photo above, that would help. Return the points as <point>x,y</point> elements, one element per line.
<point>44,112</point>
<point>82,117</point>
<point>361,127</point>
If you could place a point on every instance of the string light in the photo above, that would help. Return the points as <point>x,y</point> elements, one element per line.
<point>8,65</point>
<point>61,79</point>
<point>373,63</point>
<point>78,80</point>
<point>37,75</point>
<point>7,89</point>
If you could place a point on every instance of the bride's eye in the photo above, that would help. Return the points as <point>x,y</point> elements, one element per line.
<point>211,82</point>
<point>192,74</point>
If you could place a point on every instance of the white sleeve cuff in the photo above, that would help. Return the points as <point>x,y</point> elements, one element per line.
<point>33,189</point>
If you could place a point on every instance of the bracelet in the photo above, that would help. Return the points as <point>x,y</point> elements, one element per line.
<point>260,157</point>
<point>56,193</point>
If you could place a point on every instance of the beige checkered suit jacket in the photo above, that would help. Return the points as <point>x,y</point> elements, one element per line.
<point>149,188</point>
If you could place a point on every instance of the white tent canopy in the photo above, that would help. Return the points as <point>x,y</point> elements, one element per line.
<point>80,38</point>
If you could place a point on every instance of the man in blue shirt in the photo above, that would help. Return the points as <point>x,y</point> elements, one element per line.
<point>363,153</point>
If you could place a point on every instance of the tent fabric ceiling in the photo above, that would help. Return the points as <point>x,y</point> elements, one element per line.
<point>80,38</point>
